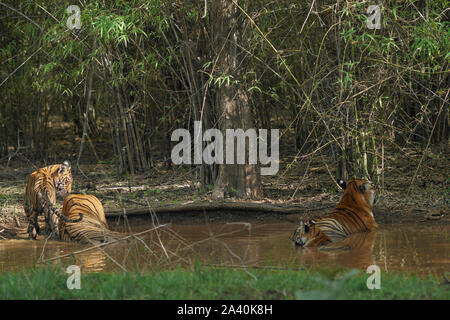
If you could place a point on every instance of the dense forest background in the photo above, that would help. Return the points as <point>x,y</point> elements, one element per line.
<point>114,90</point>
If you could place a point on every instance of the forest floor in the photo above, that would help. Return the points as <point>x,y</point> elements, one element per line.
<point>307,186</point>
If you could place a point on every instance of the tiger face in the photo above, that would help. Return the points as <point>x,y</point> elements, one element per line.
<point>307,234</point>
<point>63,179</point>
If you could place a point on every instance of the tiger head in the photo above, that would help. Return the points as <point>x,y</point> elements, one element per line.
<point>362,191</point>
<point>63,179</point>
<point>308,234</point>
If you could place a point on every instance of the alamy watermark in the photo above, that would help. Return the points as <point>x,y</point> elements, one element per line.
<point>74,21</point>
<point>374,20</point>
<point>214,150</point>
<point>374,281</point>
<point>74,280</point>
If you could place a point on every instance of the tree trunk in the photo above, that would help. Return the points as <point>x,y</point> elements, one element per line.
<point>232,109</point>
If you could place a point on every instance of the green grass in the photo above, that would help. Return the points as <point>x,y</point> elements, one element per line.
<point>217,283</point>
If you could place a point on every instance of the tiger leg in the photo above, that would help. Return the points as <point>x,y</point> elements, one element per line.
<point>45,231</point>
<point>48,221</point>
<point>51,223</point>
<point>33,226</point>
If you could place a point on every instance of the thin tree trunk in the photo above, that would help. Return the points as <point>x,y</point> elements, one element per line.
<point>86,114</point>
<point>233,109</point>
<point>125,131</point>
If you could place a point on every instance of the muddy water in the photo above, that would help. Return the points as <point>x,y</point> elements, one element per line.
<point>414,249</point>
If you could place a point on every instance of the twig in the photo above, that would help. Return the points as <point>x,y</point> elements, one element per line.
<point>253,267</point>
<point>86,114</point>
<point>154,217</point>
<point>20,66</point>
<point>104,244</point>
<point>205,9</point>
<point>306,171</point>
<point>23,15</point>
<point>310,9</point>
<point>16,220</point>
<point>237,257</point>
<point>41,257</point>
<point>111,258</point>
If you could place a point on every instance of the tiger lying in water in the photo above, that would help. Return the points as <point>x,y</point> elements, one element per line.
<point>352,214</point>
<point>93,228</point>
<point>40,196</point>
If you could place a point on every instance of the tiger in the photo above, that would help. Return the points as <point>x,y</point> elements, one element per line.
<point>40,196</point>
<point>352,214</point>
<point>93,228</point>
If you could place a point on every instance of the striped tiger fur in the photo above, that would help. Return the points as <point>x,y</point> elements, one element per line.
<point>352,214</point>
<point>40,196</point>
<point>93,228</point>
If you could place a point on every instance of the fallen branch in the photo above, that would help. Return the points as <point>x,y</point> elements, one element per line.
<point>219,206</point>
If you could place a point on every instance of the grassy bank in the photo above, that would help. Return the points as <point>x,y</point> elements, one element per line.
<point>217,283</point>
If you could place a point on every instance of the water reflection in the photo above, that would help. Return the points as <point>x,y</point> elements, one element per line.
<point>411,248</point>
<point>19,254</point>
<point>89,261</point>
<point>355,251</point>
<point>414,248</point>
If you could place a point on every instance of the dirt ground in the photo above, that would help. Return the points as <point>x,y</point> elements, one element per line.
<point>306,186</point>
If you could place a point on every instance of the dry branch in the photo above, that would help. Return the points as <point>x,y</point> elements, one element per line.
<point>219,206</point>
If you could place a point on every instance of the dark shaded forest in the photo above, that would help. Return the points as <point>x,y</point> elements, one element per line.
<point>348,97</point>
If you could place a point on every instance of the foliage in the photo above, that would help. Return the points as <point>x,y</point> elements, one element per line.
<point>341,89</point>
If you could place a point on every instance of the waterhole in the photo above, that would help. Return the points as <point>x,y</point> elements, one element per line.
<point>416,249</point>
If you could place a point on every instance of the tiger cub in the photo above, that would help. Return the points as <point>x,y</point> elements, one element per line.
<point>40,196</point>
<point>352,214</point>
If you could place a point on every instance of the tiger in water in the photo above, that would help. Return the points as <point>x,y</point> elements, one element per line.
<point>40,197</point>
<point>93,228</point>
<point>352,214</point>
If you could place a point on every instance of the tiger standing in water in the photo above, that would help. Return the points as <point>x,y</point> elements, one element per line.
<point>93,228</point>
<point>40,197</point>
<point>352,214</point>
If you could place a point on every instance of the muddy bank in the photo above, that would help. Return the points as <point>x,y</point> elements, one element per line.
<point>257,212</point>
<point>234,211</point>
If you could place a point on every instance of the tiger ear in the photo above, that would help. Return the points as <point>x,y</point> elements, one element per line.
<point>364,187</point>
<point>342,183</point>
<point>66,164</point>
<point>312,222</point>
